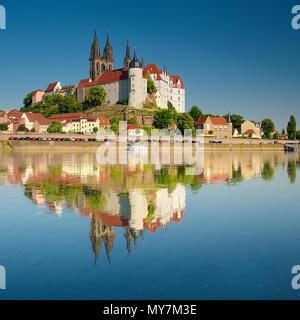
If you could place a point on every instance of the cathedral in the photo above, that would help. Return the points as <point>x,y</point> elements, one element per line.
<point>130,82</point>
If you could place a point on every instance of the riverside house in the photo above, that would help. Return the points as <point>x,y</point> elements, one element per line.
<point>214,126</point>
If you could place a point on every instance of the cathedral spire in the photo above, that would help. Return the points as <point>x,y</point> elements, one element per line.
<point>143,63</point>
<point>127,58</point>
<point>108,52</point>
<point>107,42</point>
<point>128,50</point>
<point>95,50</point>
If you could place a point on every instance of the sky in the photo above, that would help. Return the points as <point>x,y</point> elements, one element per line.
<point>234,56</point>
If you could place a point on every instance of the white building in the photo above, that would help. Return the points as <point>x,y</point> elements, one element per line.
<point>170,87</point>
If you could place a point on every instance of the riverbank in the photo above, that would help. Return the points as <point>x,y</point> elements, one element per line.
<point>92,145</point>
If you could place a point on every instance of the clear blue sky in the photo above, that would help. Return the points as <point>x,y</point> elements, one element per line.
<point>235,55</point>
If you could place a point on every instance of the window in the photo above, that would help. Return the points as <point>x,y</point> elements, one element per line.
<point>221,129</point>
<point>178,91</point>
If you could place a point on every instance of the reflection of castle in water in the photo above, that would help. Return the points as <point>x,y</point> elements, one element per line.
<point>135,214</point>
<point>134,198</point>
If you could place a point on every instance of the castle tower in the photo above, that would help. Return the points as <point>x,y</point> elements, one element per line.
<point>95,59</point>
<point>108,57</point>
<point>137,84</point>
<point>127,58</point>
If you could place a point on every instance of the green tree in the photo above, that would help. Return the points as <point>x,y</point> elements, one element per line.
<point>115,127</point>
<point>96,96</point>
<point>267,172</point>
<point>28,99</point>
<point>195,113</point>
<point>3,127</point>
<point>185,121</point>
<point>95,129</point>
<point>55,127</point>
<point>291,128</point>
<point>291,170</point>
<point>163,119</point>
<point>276,135</point>
<point>268,128</point>
<point>236,119</point>
<point>22,128</point>
<point>283,131</point>
<point>298,135</point>
<point>122,102</point>
<point>150,85</point>
<point>33,130</point>
<point>132,121</point>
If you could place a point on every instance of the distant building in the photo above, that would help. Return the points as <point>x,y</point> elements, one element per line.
<point>37,96</point>
<point>170,87</point>
<point>214,126</point>
<point>36,121</point>
<point>251,129</point>
<point>79,122</point>
<point>53,88</point>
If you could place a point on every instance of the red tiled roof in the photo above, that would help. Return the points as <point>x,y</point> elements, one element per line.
<point>51,86</point>
<point>35,92</point>
<point>133,127</point>
<point>250,131</point>
<point>102,120</point>
<point>214,120</point>
<point>32,117</point>
<point>152,69</point>
<point>84,82</point>
<point>107,77</point>
<point>175,80</point>
<point>68,116</point>
<point>14,114</point>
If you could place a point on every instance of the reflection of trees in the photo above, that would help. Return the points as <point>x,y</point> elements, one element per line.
<point>237,176</point>
<point>267,172</point>
<point>291,171</point>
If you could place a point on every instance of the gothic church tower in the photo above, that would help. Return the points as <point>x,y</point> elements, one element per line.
<point>100,64</point>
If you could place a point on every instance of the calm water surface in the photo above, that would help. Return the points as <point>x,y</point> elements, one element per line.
<point>71,229</point>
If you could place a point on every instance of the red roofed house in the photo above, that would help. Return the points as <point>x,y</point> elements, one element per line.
<point>170,87</point>
<point>133,130</point>
<point>79,122</point>
<point>214,126</point>
<point>36,121</point>
<point>53,88</point>
<point>37,96</point>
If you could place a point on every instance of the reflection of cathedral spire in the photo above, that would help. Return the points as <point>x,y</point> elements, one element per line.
<point>98,232</point>
<point>128,237</point>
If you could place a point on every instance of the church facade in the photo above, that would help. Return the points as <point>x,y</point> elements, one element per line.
<point>130,82</point>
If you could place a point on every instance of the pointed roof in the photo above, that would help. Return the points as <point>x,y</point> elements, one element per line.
<point>143,63</point>
<point>52,86</point>
<point>95,42</point>
<point>95,50</point>
<point>127,56</point>
<point>107,42</point>
<point>135,63</point>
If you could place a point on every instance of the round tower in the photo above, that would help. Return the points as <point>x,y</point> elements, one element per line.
<point>137,84</point>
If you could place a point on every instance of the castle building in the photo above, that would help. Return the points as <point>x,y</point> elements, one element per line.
<point>170,87</point>
<point>130,82</point>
